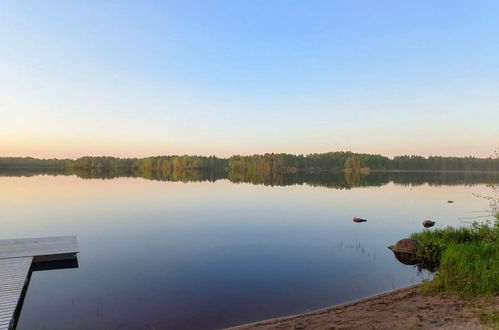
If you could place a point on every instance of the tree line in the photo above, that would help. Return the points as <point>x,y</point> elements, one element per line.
<point>34,163</point>
<point>356,162</point>
<point>271,164</point>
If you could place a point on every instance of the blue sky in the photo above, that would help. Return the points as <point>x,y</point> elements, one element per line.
<point>137,78</point>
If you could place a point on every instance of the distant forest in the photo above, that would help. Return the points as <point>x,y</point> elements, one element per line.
<point>246,166</point>
<point>340,170</point>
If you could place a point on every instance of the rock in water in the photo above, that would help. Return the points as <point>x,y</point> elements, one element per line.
<point>428,223</point>
<point>407,258</point>
<point>406,245</point>
<point>449,201</point>
<point>359,220</point>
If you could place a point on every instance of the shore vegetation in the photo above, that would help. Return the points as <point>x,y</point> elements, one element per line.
<point>467,258</point>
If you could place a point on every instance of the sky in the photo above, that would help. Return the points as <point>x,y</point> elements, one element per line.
<point>140,78</point>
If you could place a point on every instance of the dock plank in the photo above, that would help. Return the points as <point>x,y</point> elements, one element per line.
<point>38,247</point>
<point>13,275</point>
<point>18,258</point>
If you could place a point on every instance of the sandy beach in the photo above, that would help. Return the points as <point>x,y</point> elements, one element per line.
<point>407,308</point>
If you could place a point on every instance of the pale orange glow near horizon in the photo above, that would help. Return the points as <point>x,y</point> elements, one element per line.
<point>71,150</point>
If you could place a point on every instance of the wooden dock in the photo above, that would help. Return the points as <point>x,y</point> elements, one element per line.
<point>18,259</point>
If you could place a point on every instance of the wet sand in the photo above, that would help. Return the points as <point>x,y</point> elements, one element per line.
<point>407,308</point>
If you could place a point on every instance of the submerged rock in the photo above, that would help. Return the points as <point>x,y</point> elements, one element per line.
<point>406,245</point>
<point>405,252</point>
<point>407,258</point>
<point>428,223</point>
<point>359,220</point>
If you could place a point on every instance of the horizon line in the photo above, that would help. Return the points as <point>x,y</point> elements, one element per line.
<point>496,156</point>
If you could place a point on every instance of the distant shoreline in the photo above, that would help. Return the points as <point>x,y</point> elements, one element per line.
<point>270,164</point>
<point>323,178</point>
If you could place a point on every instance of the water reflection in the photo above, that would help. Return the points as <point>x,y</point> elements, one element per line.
<point>411,259</point>
<point>407,258</point>
<point>157,253</point>
<point>336,180</point>
<point>69,263</point>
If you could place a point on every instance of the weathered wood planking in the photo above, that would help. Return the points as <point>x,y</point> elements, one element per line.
<point>13,277</point>
<point>41,249</point>
<point>16,259</point>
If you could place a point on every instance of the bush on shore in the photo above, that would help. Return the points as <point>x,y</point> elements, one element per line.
<point>468,258</point>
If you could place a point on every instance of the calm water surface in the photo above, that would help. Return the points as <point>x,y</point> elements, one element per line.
<point>206,255</point>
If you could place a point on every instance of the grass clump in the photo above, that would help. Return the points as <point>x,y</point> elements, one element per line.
<point>469,269</point>
<point>433,242</point>
<point>467,258</point>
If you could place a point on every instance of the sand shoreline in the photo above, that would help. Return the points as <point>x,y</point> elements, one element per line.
<point>406,308</point>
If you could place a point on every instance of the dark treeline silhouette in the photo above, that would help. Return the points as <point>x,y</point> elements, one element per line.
<point>181,168</point>
<point>336,161</point>
<point>103,163</point>
<point>167,168</point>
<point>438,163</point>
<point>167,164</point>
<point>32,163</point>
<point>282,163</point>
<point>269,165</point>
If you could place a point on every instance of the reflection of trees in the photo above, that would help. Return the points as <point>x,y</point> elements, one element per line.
<point>101,173</point>
<point>328,179</point>
<point>32,172</point>
<point>341,180</point>
<point>435,178</point>
<point>354,178</point>
<point>267,178</point>
<point>182,175</point>
<point>335,180</point>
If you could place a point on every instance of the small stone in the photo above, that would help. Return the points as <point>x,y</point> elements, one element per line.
<point>428,223</point>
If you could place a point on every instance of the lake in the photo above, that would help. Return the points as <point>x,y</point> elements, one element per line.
<point>209,254</point>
